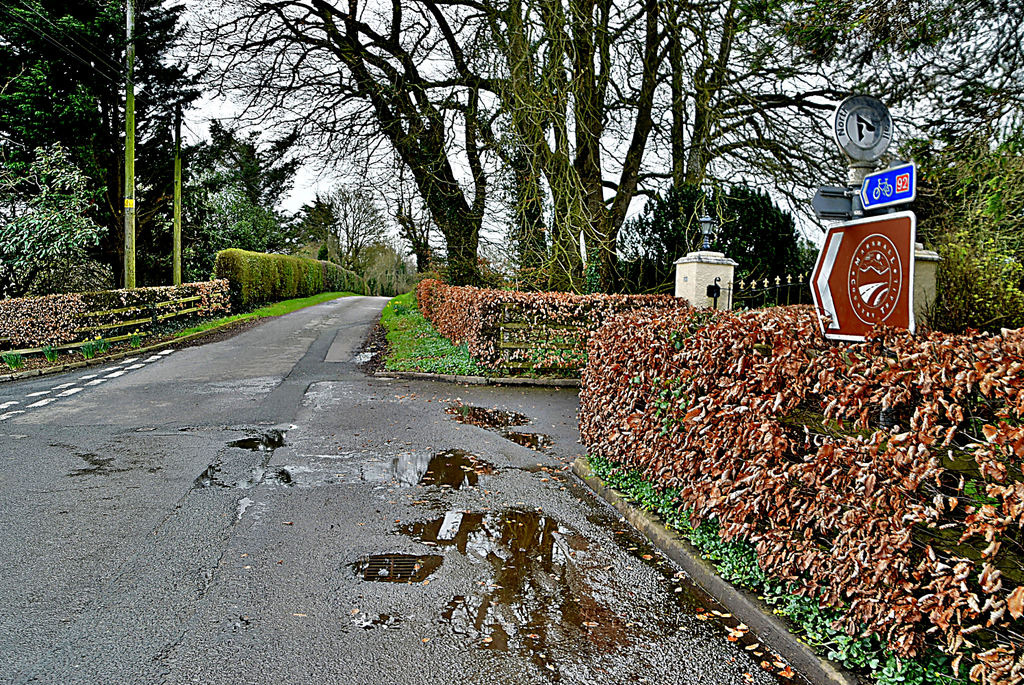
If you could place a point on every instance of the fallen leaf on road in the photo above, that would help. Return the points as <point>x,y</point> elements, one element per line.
<point>748,677</point>
<point>488,639</point>
<point>765,664</point>
<point>590,624</point>
<point>647,557</point>
<point>288,523</point>
<point>425,640</point>
<point>787,672</point>
<point>354,612</point>
<point>533,636</point>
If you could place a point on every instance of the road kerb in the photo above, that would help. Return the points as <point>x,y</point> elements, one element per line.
<point>481,380</point>
<point>743,605</point>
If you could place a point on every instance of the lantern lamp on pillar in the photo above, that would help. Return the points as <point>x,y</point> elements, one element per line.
<point>708,229</point>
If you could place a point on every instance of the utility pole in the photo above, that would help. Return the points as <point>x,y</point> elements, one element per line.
<point>177,195</point>
<point>129,156</point>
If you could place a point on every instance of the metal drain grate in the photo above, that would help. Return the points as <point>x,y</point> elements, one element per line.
<point>397,568</point>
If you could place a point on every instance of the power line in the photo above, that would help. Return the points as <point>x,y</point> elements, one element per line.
<point>115,80</point>
<point>67,34</point>
<point>57,44</point>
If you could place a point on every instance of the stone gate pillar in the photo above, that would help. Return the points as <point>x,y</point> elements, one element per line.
<point>926,265</point>
<point>697,270</point>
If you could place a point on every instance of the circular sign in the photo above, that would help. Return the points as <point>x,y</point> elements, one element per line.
<point>875,279</point>
<point>863,128</point>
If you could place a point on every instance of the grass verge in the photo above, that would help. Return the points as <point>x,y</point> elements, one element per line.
<point>276,309</point>
<point>736,562</point>
<point>414,344</point>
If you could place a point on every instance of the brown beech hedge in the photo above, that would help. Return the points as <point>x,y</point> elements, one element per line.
<point>29,322</point>
<point>465,314</point>
<point>881,477</point>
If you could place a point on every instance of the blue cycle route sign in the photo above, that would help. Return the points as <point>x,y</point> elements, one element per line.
<point>893,186</point>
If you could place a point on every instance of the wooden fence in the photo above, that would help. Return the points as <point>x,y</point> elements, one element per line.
<point>143,315</point>
<point>541,346</point>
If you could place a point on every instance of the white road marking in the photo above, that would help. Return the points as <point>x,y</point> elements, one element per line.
<point>42,403</point>
<point>116,374</point>
<point>70,392</point>
<point>165,352</point>
<point>38,394</point>
<point>11,413</point>
<point>135,366</point>
<point>154,358</point>
<point>9,404</point>
<point>97,381</point>
<point>91,375</point>
<point>129,361</point>
<point>62,386</point>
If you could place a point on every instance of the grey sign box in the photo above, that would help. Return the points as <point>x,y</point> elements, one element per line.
<point>863,128</point>
<point>832,202</point>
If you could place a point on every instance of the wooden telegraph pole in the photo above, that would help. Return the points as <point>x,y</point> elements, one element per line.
<point>129,156</point>
<point>177,195</point>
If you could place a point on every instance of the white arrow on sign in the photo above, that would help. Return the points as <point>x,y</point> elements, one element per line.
<point>829,260</point>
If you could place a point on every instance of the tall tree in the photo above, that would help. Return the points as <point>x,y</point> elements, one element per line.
<point>357,76</point>
<point>60,66</point>
<point>358,224</point>
<point>234,185</point>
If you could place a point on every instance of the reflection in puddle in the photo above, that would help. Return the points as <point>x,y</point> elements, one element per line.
<point>500,422</point>
<point>449,469</point>
<point>455,468</point>
<point>532,440</point>
<point>397,568</point>
<point>491,419</point>
<point>536,598</point>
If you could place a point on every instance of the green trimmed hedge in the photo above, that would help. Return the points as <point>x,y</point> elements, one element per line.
<point>256,277</point>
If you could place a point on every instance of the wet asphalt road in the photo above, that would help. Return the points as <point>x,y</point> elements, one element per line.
<point>249,512</point>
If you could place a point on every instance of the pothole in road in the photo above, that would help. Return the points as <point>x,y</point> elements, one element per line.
<point>535,599</point>
<point>264,442</point>
<point>237,470</point>
<point>397,568</point>
<point>455,468</point>
<point>501,422</point>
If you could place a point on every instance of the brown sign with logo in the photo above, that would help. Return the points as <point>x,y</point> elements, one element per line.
<point>865,276</point>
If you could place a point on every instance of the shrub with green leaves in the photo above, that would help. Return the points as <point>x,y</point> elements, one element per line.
<point>44,219</point>
<point>50,352</point>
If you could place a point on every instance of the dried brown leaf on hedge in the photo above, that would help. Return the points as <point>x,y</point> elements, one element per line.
<point>774,432</point>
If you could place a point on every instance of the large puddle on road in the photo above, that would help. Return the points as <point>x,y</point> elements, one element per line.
<point>535,597</point>
<point>501,422</point>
